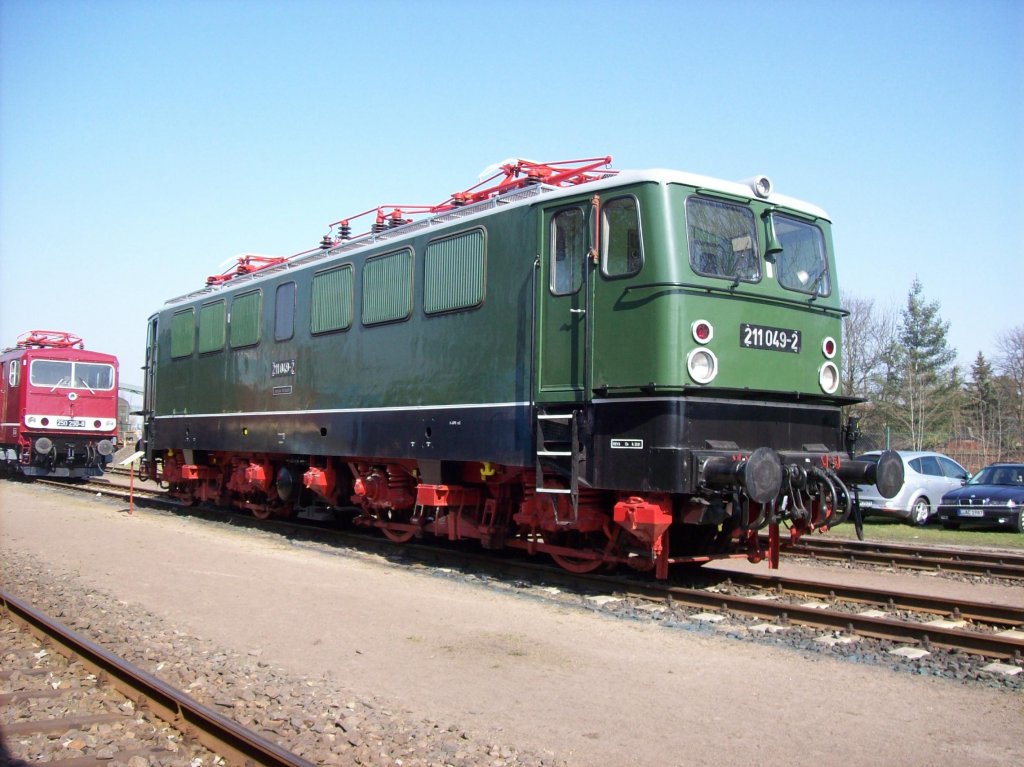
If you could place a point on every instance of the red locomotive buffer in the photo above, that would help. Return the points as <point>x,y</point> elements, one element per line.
<point>59,406</point>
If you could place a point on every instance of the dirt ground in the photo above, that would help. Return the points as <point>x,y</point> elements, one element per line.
<point>591,689</point>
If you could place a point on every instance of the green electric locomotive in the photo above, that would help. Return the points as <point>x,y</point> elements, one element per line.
<point>635,367</point>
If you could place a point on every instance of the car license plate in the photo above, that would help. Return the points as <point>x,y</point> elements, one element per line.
<point>970,513</point>
<point>772,339</point>
<point>70,423</point>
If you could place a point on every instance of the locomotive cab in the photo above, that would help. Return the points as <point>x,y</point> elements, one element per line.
<point>59,407</point>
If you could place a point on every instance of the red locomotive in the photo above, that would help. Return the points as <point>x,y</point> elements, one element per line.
<point>59,406</point>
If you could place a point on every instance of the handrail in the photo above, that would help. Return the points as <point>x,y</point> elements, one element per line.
<point>732,292</point>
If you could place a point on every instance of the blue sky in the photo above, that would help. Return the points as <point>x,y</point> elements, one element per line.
<point>142,144</point>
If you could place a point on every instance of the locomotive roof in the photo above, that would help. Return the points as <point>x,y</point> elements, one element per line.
<point>515,198</point>
<point>75,355</point>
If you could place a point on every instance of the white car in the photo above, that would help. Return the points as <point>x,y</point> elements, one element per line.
<point>927,477</point>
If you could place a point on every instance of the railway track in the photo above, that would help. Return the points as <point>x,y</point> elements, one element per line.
<point>111,711</point>
<point>990,564</point>
<point>976,628</point>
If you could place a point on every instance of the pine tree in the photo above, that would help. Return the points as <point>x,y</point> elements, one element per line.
<point>983,417</point>
<point>921,383</point>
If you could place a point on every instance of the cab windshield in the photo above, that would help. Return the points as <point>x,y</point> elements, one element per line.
<point>803,263</point>
<point>722,240</point>
<point>62,374</point>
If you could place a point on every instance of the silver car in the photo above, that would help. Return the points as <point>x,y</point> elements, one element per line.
<point>927,477</point>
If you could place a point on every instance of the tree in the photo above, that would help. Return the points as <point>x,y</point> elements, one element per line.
<point>1011,365</point>
<point>982,410</point>
<point>868,333</point>
<point>922,386</point>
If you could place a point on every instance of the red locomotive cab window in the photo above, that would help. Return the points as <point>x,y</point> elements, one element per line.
<point>62,374</point>
<point>13,373</point>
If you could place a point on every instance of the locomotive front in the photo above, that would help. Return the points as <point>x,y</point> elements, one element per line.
<point>59,407</point>
<point>716,370</point>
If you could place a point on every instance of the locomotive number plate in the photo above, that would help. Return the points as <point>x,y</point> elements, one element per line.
<point>70,423</point>
<point>773,339</point>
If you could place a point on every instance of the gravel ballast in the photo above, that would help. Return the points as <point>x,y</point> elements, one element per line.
<point>354,660</point>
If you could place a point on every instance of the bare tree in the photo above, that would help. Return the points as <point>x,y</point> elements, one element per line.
<point>867,333</point>
<point>1011,365</point>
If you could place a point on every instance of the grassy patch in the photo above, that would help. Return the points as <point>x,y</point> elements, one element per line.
<point>887,530</point>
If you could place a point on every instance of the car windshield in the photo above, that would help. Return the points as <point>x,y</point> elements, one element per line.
<point>1012,476</point>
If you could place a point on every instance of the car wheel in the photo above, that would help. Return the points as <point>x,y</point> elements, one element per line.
<point>1020,521</point>
<point>920,511</point>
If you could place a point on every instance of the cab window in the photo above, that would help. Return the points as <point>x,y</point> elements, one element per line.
<point>64,374</point>
<point>722,239</point>
<point>621,249</point>
<point>803,262</point>
<point>568,251</point>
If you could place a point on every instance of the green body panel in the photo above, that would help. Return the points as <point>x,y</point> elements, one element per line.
<point>475,355</point>
<point>615,336</point>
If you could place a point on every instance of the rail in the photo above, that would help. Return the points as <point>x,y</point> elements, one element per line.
<point>230,740</point>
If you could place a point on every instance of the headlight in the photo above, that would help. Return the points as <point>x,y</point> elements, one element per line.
<point>702,365</point>
<point>828,347</point>
<point>828,378</point>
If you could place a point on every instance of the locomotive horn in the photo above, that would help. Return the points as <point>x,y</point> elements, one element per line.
<point>760,475</point>
<point>760,185</point>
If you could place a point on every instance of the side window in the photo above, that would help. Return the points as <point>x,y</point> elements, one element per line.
<point>13,372</point>
<point>212,327</point>
<point>284,311</point>
<point>244,323</point>
<point>722,240</point>
<point>952,469</point>
<point>183,333</point>
<point>387,288</point>
<point>928,465</point>
<point>453,273</point>
<point>621,249</point>
<point>331,301</point>
<point>568,251</point>
<point>803,263</point>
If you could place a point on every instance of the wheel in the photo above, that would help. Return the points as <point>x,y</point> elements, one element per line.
<point>1020,522</point>
<point>920,511</point>
<point>588,543</point>
<point>577,565</point>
